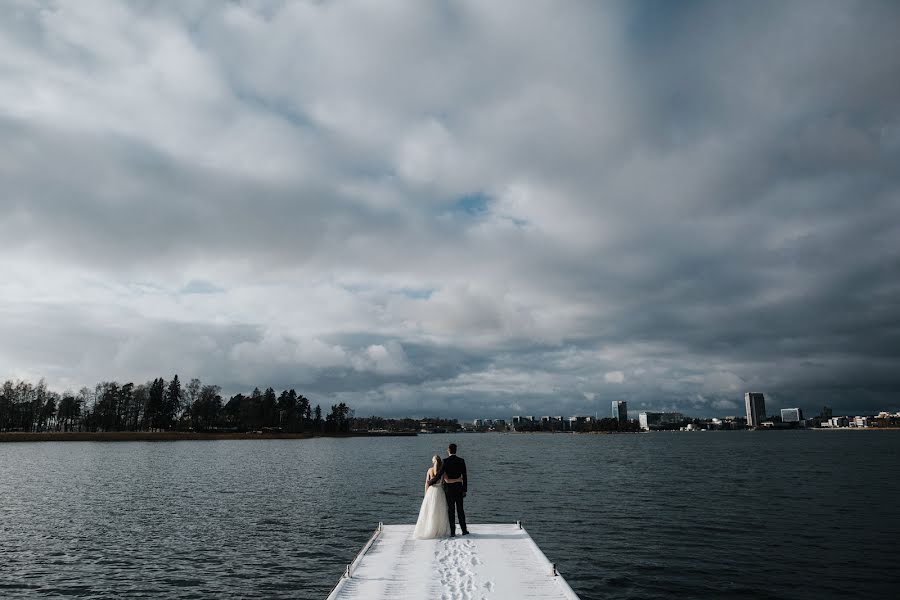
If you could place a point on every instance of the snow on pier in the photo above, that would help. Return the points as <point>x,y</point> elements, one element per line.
<point>494,562</point>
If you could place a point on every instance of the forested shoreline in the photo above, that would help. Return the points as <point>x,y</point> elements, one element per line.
<point>159,406</point>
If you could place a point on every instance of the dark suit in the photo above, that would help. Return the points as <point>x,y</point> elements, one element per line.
<point>454,467</point>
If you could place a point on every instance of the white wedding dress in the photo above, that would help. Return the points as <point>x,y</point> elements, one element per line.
<point>433,520</point>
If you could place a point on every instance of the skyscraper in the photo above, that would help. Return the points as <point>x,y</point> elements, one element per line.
<point>755,403</point>
<point>620,410</point>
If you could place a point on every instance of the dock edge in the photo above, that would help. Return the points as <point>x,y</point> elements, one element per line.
<point>561,581</point>
<point>348,572</point>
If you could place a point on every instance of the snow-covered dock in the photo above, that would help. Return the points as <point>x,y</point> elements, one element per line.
<point>493,562</point>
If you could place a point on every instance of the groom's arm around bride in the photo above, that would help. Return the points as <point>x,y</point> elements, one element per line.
<point>455,468</point>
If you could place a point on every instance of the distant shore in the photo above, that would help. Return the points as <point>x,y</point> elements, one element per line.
<point>175,436</point>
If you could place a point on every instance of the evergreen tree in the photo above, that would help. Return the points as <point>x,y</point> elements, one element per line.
<point>269,408</point>
<point>172,404</point>
<point>252,416</point>
<point>106,408</point>
<point>65,412</point>
<point>7,403</point>
<point>338,420</point>
<point>125,406</point>
<point>231,413</point>
<point>287,407</point>
<point>305,412</point>
<point>317,418</point>
<point>155,403</point>
<point>206,409</point>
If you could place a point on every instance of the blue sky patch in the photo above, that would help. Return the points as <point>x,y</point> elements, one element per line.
<point>473,204</point>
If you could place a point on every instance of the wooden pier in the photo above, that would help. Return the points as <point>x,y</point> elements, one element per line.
<point>493,562</point>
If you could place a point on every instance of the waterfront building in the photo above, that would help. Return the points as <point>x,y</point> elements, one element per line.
<point>523,423</point>
<point>577,423</point>
<point>729,423</point>
<point>579,419</point>
<point>432,426</point>
<point>836,422</point>
<point>861,421</point>
<point>826,412</point>
<point>550,423</point>
<point>477,423</point>
<point>659,420</point>
<point>755,403</point>
<point>791,415</point>
<point>620,410</point>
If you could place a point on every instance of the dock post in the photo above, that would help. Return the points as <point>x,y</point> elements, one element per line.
<point>519,524</point>
<point>347,572</point>
<point>555,573</point>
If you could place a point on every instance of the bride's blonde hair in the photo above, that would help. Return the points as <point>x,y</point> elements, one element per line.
<point>436,462</point>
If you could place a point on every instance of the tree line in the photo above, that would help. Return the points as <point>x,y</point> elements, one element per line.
<point>375,423</point>
<point>161,405</point>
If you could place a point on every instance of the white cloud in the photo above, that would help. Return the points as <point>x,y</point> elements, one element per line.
<point>384,359</point>
<point>704,218</point>
<point>614,377</point>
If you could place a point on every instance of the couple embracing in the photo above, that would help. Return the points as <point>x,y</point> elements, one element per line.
<point>446,484</point>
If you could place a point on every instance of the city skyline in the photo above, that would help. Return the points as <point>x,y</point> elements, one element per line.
<point>456,208</point>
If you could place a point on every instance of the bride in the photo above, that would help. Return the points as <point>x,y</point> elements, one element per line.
<point>433,521</point>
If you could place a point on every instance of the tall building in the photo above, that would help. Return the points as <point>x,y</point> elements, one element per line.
<point>620,410</point>
<point>755,403</point>
<point>791,415</point>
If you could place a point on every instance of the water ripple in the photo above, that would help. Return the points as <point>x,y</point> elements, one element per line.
<point>791,516</point>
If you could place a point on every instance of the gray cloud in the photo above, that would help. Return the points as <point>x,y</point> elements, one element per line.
<point>466,209</point>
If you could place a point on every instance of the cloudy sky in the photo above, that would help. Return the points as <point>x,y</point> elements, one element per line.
<point>462,208</point>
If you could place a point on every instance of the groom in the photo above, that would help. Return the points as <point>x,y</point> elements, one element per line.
<point>454,467</point>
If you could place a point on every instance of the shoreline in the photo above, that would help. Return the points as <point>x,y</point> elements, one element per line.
<point>175,436</point>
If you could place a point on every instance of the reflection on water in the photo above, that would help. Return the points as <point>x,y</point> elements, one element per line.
<point>730,514</point>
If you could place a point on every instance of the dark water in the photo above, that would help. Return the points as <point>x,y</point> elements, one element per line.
<point>678,515</point>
